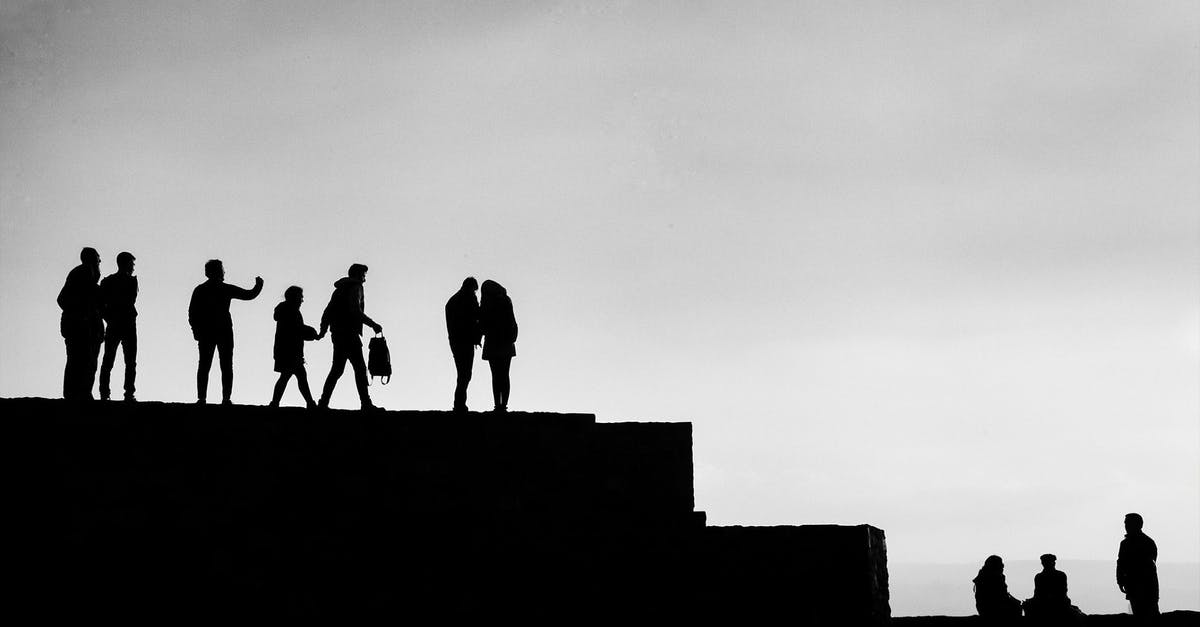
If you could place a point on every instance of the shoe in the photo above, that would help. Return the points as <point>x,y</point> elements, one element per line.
<point>129,399</point>
<point>226,401</point>
<point>104,397</point>
<point>201,401</point>
<point>371,407</point>
<point>311,405</point>
<point>460,409</point>
<point>273,404</point>
<point>501,409</point>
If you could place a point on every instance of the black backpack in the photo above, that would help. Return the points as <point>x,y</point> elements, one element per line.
<point>379,359</point>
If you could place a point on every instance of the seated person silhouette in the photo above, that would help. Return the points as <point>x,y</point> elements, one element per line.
<point>992,600</point>
<point>1050,603</point>
<point>212,326</point>
<point>290,335</point>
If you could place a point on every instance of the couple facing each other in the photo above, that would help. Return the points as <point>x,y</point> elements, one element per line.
<point>490,321</point>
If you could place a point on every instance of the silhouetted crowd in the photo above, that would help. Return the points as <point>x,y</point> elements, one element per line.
<point>99,313</point>
<point>1137,577</point>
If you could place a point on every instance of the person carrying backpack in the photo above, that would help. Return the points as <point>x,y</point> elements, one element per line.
<point>344,318</point>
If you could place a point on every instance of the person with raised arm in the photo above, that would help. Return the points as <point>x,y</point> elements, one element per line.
<point>212,326</point>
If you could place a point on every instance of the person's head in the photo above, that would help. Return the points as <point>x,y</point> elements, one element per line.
<point>1048,561</point>
<point>491,288</point>
<point>89,256</point>
<point>993,563</point>
<point>358,272</point>
<point>1133,522</point>
<point>470,284</point>
<point>294,295</point>
<point>214,269</point>
<point>125,262</point>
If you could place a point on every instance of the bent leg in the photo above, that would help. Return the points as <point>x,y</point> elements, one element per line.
<point>335,373</point>
<point>280,386</point>
<point>360,375</point>
<point>302,383</point>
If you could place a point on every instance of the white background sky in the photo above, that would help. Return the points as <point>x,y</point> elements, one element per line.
<point>933,266</point>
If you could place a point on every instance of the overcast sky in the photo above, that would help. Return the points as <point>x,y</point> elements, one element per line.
<point>932,266</point>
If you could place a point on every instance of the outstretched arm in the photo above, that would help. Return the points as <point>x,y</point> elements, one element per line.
<point>250,294</point>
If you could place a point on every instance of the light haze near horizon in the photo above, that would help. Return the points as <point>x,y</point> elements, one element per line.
<point>929,266</point>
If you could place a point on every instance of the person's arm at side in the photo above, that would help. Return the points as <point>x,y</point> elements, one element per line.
<point>194,313</point>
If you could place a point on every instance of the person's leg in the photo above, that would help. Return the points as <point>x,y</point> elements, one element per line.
<point>280,386</point>
<point>504,364</point>
<point>497,389</point>
<point>335,373</point>
<point>302,383</point>
<point>89,373</point>
<point>129,346</point>
<point>111,339</point>
<point>207,347</point>
<point>463,361</point>
<point>360,375</point>
<point>225,350</point>
<point>71,369</point>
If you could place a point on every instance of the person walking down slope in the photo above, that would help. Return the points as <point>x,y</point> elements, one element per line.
<point>462,328</point>
<point>344,317</point>
<point>212,326</point>
<point>81,325</point>
<point>1137,574</point>
<point>499,327</point>
<point>119,292</point>
<point>290,335</point>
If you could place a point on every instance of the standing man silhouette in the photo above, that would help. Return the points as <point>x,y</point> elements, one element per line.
<point>212,326</point>
<point>1137,575</point>
<point>462,327</point>
<point>81,325</point>
<point>118,292</point>
<point>345,316</point>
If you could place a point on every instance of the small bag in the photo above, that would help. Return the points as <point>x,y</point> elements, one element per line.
<point>379,359</point>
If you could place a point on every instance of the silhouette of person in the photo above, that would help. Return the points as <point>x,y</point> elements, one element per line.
<point>118,293</point>
<point>344,317</point>
<point>499,327</point>
<point>1137,575</point>
<point>992,600</point>
<point>290,335</point>
<point>212,326</point>
<point>1050,603</point>
<point>462,328</point>
<point>81,325</point>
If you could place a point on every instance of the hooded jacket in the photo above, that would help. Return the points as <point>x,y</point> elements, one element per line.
<point>345,314</point>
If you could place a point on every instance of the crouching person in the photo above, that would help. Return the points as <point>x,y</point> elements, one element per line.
<point>290,335</point>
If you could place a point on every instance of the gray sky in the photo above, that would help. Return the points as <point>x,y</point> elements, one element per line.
<point>933,266</point>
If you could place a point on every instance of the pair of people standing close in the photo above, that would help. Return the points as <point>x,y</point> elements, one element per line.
<point>212,327</point>
<point>489,320</point>
<point>86,306</point>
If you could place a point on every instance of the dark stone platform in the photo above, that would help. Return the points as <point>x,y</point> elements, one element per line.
<point>169,512</point>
